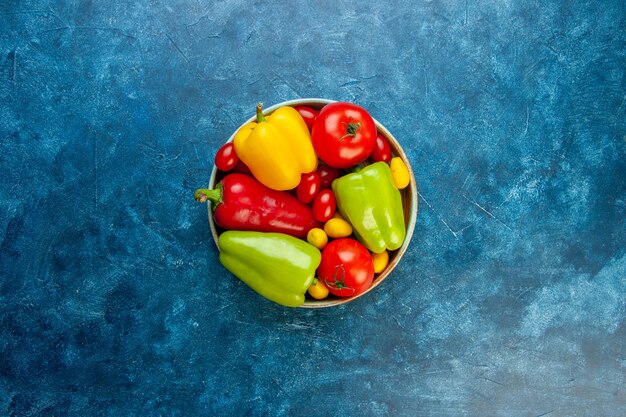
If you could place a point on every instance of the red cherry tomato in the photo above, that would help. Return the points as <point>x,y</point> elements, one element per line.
<point>382,150</point>
<point>346,268</point>
<point>226,158</point>
<point>308,114</point>
<point>309,187</point>
<point>242,168</point>
<point>343,134</point>
<point>324,206</point>
<point>327,175</point>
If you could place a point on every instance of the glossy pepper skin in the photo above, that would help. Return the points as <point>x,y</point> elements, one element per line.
<point>369,200</point>
<point>277,148</point>
<point>279,267</point>
<point>242,203</point>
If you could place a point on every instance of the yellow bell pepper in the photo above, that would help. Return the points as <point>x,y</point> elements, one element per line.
<point>277,148</point>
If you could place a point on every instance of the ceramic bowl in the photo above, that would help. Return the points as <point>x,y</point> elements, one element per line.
<point>409,201</point>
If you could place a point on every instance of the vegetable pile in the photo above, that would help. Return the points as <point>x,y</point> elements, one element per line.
<point>308,202</point>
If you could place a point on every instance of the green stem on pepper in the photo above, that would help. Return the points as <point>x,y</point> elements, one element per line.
<point>259,113</point>
<point>202,195</point>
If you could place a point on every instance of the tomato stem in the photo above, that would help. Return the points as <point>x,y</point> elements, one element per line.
<point>259,113</point>
<point>338,284</point>
<point>351,129</point>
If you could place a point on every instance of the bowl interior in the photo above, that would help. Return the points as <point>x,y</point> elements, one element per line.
<point>409,201</point>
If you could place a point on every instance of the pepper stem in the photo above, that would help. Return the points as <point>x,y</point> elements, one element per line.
<point>202,195</point>
<point>358,167</point>
<point>259,113</point>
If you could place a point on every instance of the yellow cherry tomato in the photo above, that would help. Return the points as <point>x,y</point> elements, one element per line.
<point>318,290</point>
<point>317,237</point>
<point>337,215</point>
<point>380,261</point>
<point>399,172</point>
<point>337,228</point>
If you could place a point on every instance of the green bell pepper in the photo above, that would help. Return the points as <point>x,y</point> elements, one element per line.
<point>370,201</point>
<point>279,267</point>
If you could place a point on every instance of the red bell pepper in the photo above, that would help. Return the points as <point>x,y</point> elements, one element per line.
<point>240,202</point>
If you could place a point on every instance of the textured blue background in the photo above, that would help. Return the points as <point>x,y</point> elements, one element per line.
<point>510,300</point>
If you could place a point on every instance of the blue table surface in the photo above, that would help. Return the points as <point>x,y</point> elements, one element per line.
<point>510,300</point>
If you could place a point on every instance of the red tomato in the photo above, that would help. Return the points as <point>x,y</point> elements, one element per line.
<point>347,268</point>
<point>343,134</point>
<point>327,175</point>
<point>226,158</point>
<point>309,187</point>
<point>382,150</point>
<point>324,206</point>
<point>308,114</point>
